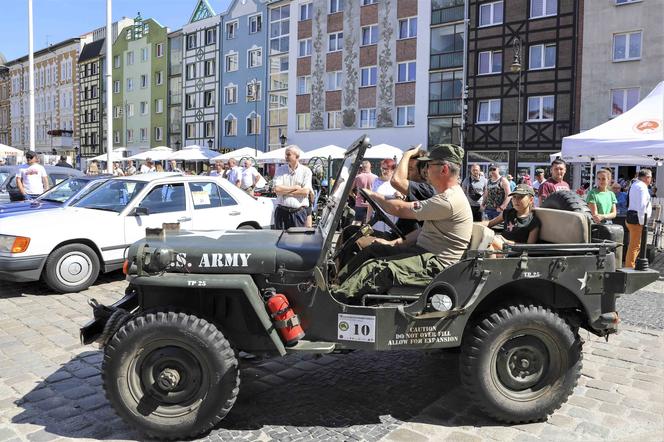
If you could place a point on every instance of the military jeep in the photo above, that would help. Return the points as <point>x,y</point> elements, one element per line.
<point>196,299</point>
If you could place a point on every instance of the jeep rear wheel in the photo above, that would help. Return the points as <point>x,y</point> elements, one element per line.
<point>170,375</point>
<point>521,364</point>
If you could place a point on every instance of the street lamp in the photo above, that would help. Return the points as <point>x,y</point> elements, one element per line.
<point>210,143</point>
<point>516,68</point>
<point>282,139</point>
<point>254,96</point>
<point>177,145</point>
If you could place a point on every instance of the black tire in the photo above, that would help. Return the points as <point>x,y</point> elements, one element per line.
<point>170,375</point>
<point>566,200</point>
<point>550,348</point>
<point>71,268</point>
<point>246,227</point>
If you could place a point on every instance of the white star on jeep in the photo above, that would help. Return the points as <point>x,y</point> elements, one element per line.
<point>583,280</point>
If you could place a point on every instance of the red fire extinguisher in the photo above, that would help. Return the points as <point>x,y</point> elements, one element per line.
<point>284,318</point>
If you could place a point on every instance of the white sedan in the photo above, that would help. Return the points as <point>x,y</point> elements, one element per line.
<point>68,247</point>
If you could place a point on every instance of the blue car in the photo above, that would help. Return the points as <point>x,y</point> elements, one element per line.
<point>63,194</point>
<point>8,187</point>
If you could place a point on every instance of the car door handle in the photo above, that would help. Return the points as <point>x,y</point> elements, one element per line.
<point>183,219</point>
<point>234,213</point>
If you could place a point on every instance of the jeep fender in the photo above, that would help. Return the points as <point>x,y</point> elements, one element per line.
<point>228,282</point>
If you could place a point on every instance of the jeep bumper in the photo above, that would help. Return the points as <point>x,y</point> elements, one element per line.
<point>93,329</point>
<point>20,268</point>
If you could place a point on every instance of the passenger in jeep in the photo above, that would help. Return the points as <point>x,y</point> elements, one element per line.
<point>444,237</point>
<point>521,224</point>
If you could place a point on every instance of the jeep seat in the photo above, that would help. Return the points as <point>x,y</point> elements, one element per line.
<point>563,227</point>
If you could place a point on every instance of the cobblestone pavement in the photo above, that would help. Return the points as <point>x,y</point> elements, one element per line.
<point>50,386</point>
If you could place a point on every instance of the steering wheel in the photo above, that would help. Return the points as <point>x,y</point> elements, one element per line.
<point>381,214</point>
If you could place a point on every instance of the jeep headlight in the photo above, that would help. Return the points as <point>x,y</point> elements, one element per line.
<point>14,244</point>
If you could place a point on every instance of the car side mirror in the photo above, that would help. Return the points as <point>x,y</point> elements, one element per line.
<point>138,211</point>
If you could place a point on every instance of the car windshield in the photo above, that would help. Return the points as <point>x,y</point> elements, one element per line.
<point>333,203</point>
<point>64,191</point>
<point>58,177</point>
<point>3,177</point>
<point>113,195</point>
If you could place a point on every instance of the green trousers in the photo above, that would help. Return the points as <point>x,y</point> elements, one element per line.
<point>379,267</point>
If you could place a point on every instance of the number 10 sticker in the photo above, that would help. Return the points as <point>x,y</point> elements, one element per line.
<point>357,328</point>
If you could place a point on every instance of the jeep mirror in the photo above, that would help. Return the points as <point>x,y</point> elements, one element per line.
<point>138,211</point>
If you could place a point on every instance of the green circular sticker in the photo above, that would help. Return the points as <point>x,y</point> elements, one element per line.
<point>343,326</point>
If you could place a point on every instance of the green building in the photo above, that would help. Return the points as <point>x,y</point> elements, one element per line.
<point>140,86</point>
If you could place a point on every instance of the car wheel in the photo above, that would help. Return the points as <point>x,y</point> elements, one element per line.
<point>71,268</point>
<point>246,227</point>
<point>170,375</point>
<point>521,364</point>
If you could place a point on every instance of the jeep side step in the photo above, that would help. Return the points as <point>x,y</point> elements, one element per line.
<point>303,346</point>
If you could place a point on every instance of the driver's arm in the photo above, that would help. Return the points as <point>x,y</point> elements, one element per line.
<point>400,178</point>
<point>396,207</point>
<point>19,184</point>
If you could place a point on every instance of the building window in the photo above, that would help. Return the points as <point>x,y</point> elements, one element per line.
<point>405,116</point>
<point>304,48</point>
<point>279,29</point>
<point>190,130</point>
<point>541,108</point>
<point>208,98</point>
<point>117,111</point>
<point>130,135</point>
<point>253,124</point>
<point>542,56</point>
<point>158,105</point>
<point>130,84</point>
<point>158,133</point>
<point>491,13</point>
<point>144,54</point>
<point>489,62</point>
<point>543,8</point>
<point>210,36</point>
<point>335,80</point>
<point>230,126</point>
<point>408,28</point>
<point>94,91</point>
<point>623,100</point>
<point>116,137</point>
<point>447,46</point>
<point>368,2</point>
<point>116,61</point>
<point>255,23</point>
<point>230,93</point>
<point>191,71</point>
<point>209,129</point>
<point>368,118</point>
<point>624,2</point>
<point>627,46</point>
<point>305,11</point>
<point>231,30</point>
<point>304,121</point>
<point>191,41</point>
<point>160,50</point>
<point>336,6</point>
<point>444,131</point>
<point>406,71</point>
<point>159,78</point>
<point>130,57</point>
<point>144,81</point>
<point>255,58</point>
<point>190,101</point>
<point>368,76</point>
<point>488,111</point>
<point>254,95</point>
<point>144,107</point>
<point>130,110</point>
<point>369,35</point>
<point>231,62</point>
<point>304,85</point>
<point>209,68</point>
<point>335,42</point>
<point>334,120</point>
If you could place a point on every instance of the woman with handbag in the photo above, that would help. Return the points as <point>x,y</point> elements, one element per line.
<point>638,206</point>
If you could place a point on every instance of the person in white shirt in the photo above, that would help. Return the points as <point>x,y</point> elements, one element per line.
<point>218,169</point>
<point>382,186</point>
<point>131,169</point>
<point>639,206</point>
<point>292,184</point>
<point>249,177</point>
<point>31,178</point>
<point>148,166</point>
<point>174,166</point>
<point>117,171</point>
<point>234,172</point>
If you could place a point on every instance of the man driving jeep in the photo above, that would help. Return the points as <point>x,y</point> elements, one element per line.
<point>441,242</point>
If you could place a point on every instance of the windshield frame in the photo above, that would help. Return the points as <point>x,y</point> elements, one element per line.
<point>135,194</point>
<point>359,147</point>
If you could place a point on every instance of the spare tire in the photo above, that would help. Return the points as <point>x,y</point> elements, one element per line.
<point>566,200</point>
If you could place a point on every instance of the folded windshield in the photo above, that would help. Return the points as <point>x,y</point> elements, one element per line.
<point>113,195</point>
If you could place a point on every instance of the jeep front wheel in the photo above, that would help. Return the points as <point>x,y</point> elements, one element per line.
<point>521,364</point>
<point>170,375</point>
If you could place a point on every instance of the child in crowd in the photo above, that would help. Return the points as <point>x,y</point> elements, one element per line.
<point>601,200</point>
<point>521,224</point>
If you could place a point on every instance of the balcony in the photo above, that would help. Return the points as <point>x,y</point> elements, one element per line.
<point>447,15</point>
<point>448,60</point>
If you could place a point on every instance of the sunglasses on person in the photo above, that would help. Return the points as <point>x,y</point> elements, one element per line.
<point>432,163</point>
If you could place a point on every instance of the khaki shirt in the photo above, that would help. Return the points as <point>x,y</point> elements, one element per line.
<point>448,224</point>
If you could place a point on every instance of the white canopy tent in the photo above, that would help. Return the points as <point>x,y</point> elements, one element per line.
<point>383,151</point>
<point>237,154</point>
<point>325,152</point>
<point>116,155</point>
<point>159,153</point>
<point>274,156</point>
<point>193,153</point>
<point>8,151</point>
<point>635,137</point>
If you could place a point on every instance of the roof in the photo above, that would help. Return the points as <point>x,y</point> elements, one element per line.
<point>91,50</point>
<point>50,48</point>
<point>150,176</point>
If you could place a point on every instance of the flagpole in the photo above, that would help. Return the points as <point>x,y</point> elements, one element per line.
<point>109,86</point>
<point>31,78</point>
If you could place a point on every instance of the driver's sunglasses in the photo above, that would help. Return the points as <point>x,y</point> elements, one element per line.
<point>431,163</point>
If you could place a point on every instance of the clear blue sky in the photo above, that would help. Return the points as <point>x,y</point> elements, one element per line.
<point>58,20</point>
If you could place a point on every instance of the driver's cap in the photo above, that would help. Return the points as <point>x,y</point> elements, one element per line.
<point>445,152</point>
